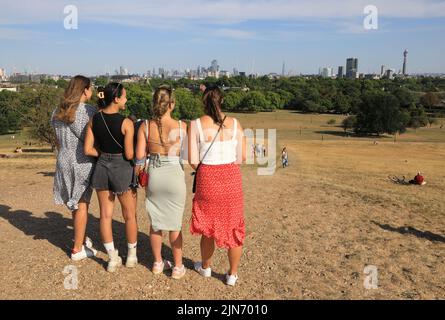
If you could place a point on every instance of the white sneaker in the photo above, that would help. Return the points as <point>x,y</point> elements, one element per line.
<point>206,273</point>
<point>231,279</point>
<point>83,254</point>
<point>159,267</point>
<point>178,272</point>
<point>132,259</point>
<point>114,261</point>
<point>89,245</point>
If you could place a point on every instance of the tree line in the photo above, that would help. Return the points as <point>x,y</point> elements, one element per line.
<point>373,106</point>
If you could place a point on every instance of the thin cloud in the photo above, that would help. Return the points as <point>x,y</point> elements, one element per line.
<point>19,34</point>
<point>215,11</point>
<point>235,34</point>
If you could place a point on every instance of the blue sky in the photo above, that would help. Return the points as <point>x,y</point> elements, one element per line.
<point>249,35</point>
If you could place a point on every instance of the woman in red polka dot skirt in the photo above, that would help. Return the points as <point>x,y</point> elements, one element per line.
<point>216,149</point>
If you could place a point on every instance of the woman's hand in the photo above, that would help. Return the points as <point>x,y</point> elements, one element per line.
<point>138,169</point>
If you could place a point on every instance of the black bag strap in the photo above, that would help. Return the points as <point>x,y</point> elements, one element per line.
<point>214,139</point>
<point>108,129</point>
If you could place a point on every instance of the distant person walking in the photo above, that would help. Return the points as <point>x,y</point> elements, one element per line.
<point>284,158</point>
<point>113,135</point>
<point>217,147</point>
<point>74,168</point>
<point>162,139</point>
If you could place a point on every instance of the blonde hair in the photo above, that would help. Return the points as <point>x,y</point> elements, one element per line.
<point>163,98</point>
<point>66,111</point>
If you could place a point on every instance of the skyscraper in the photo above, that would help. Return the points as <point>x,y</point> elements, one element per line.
<point>283,70</point>
<point>352,68</point>
<point>326,72</point>
<point>405,56</point>
<point>341,72</point>
<point>382,70</point>
<point>214,67</point>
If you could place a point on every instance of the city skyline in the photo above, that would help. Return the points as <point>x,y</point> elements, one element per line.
<point>252,36</point>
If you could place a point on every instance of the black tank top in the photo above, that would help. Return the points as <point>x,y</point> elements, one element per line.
<point>103,138</point>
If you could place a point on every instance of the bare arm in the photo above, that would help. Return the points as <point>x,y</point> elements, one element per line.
<point>141,146</point>
<point>242,143</point>
<point>193,152</point>
<point>128,131</point>
<point>89,148</point>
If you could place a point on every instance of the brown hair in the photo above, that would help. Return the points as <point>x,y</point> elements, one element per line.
<point>163,98</point>
<point>66,111</point>
<point>212,99</point>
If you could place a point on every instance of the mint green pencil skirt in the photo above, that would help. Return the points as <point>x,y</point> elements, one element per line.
<point>166,193</point>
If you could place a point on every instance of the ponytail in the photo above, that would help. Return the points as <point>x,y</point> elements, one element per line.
<point>212,99</point>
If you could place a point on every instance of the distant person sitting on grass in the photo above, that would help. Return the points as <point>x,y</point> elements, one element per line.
<point>418,180</point>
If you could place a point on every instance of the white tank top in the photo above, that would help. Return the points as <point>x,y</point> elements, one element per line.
<point>222,152</point>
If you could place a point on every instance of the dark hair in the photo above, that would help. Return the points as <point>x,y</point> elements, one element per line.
<point>108,94</point>
<point>66,111</point>
<point>212,99</point>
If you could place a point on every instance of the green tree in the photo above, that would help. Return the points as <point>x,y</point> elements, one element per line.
<point>188,106</point>
<point>349,123</point>
<point>10,115</point>
<point>430,99</point>
<point>405,96</point>
<point>232,100</point>
<point>418,117</point>
<point>275,101</point>
<point>45,101</point>
<point>380,113</point>
<point>254,101</point>
<point>139,101</point>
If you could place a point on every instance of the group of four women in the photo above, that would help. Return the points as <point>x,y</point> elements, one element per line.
<point>101,149</point>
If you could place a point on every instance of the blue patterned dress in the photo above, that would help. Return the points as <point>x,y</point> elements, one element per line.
<point>73,168</point>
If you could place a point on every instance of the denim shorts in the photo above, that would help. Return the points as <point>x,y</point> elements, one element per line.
<point>114,173</point>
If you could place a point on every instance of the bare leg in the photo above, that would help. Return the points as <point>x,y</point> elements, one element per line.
<point>234,259</point>
<point>156,244</point>
<point>80,217</point>
<point>106,204</point>
<point>176,244</point>
<point>207,250</point>
<point>128,204</point>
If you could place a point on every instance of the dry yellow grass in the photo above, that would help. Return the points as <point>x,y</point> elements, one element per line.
<point>311,228</point>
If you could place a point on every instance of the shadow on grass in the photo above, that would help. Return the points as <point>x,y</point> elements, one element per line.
<point>350,134</point>
<point>41,150</point>
<point>433,237</point>
<point>57,230</point>
<point>47,174</point>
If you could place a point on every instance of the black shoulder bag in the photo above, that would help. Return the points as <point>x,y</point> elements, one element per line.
<point>200,162</point>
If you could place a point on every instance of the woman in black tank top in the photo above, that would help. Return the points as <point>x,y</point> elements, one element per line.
<point>110,137</point>
<point>103,138</point>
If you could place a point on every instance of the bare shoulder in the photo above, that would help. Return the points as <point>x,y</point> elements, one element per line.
<point>128,124</point>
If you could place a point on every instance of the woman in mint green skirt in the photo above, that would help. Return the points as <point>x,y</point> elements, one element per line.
<point>162,140</point>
